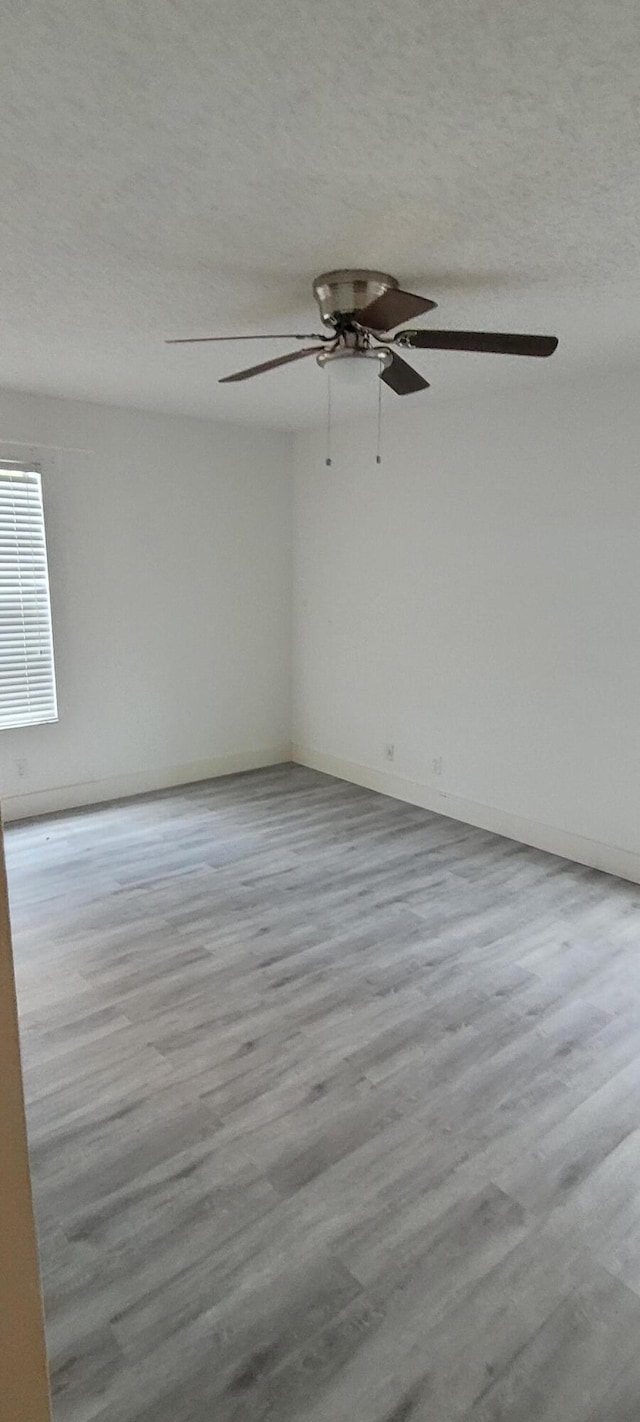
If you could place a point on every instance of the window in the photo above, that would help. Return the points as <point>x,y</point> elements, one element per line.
<point>27,674</point>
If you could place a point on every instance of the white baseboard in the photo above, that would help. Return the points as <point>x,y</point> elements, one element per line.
<point>624,863</point>
<point>117,787</point>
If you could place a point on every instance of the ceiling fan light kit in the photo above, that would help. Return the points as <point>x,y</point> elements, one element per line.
<point>343,360</point>
<point>360,308</point>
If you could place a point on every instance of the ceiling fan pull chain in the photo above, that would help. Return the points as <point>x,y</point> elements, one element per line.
<point>378,445</point>
<point>328,461</point>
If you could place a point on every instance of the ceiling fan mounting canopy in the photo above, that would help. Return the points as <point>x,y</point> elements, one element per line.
<point>342,293</point>
<point>356,298</point>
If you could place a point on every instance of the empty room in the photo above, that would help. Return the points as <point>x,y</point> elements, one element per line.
<point>320,711</point>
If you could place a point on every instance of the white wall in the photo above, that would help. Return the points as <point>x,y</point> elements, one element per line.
<point>474,598</point>
<point>477,598</point>
<point>169,553</point>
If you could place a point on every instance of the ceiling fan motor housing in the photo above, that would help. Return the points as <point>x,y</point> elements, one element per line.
<point>342,293</point>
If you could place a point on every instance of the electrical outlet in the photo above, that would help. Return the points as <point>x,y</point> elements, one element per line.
<point>436,765</point>
<point>389,750</point>
<point>21,767</point>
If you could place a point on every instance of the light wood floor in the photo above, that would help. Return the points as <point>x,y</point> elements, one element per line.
<point>334,1110</point>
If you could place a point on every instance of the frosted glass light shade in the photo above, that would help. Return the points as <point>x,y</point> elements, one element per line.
<point>354,368</point>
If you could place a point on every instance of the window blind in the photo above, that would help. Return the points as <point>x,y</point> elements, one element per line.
<point>27,673</point>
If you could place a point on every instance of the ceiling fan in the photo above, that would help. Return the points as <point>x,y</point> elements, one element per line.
<point>361,307</point>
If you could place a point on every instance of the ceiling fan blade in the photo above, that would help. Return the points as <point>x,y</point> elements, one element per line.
<point>270,364</point>
<point>392,308</point>
<point>494,342</point>
<point>199,340</point>
<point>402,377</point>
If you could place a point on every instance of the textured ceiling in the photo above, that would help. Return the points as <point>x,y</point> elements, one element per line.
<point>187,166</point>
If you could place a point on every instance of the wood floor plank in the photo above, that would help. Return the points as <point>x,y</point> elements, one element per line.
<point>333,1111</point>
